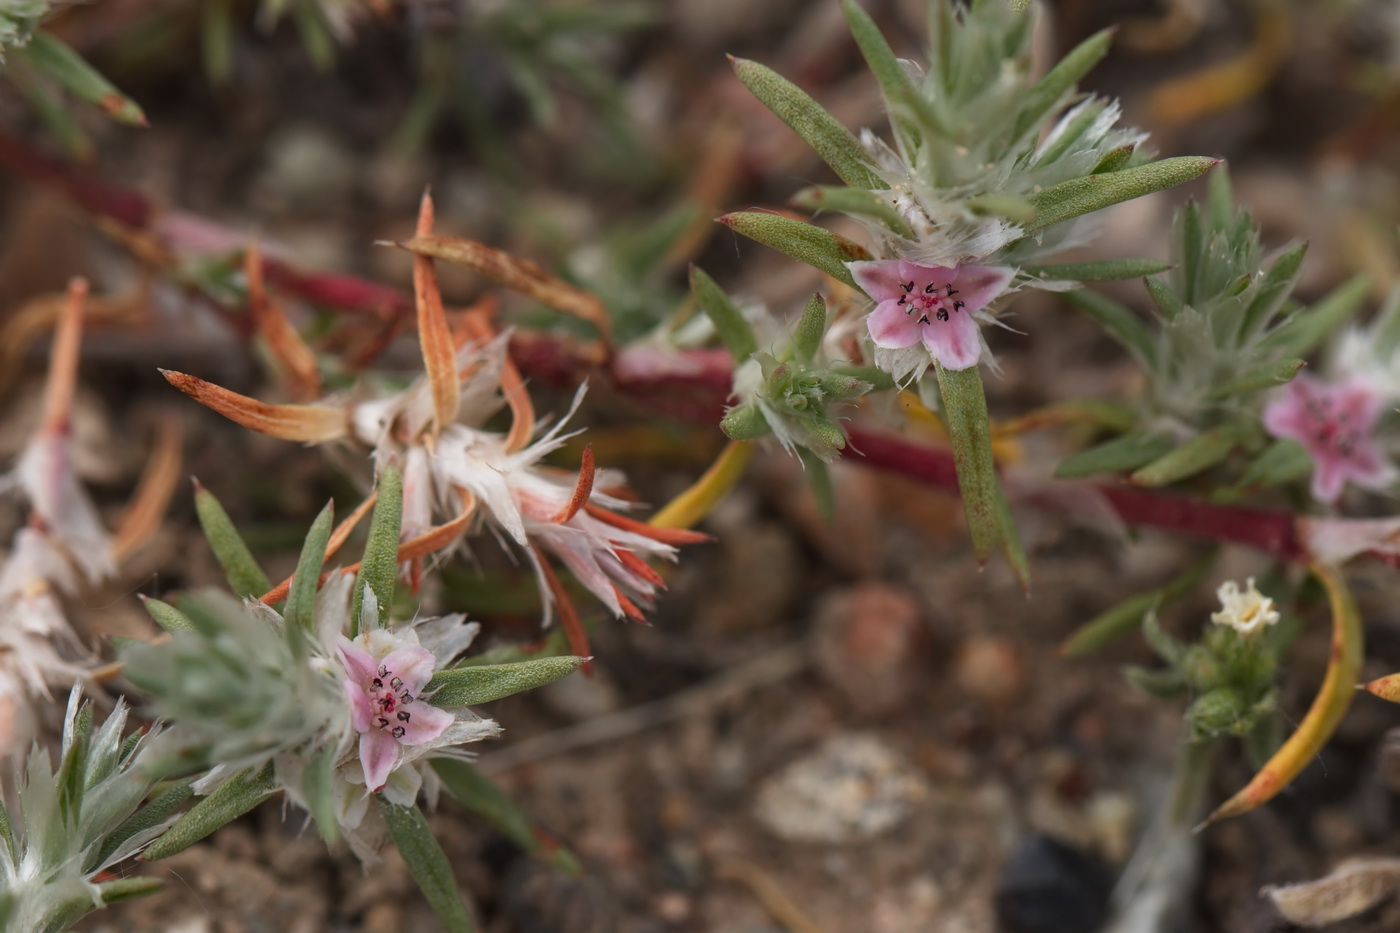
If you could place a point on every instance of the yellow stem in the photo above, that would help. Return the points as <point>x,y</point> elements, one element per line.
<point>697,501</point>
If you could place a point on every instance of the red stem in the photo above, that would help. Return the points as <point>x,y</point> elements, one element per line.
<point>691,384</point>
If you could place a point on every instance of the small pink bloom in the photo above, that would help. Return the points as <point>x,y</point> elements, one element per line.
<point>934,304</point>
<point>1334,425</point>
<point>386,707</point>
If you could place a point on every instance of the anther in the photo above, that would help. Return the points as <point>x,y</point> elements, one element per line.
<point>943,314</point>
<point>398,732</point>
<point>930,289</point>
<point>403,716</point>
<point>951,291</point>
<point>396,683</point>
<point>923,319</point>
<point>381,722</point>
<point>908,288</point>
<point>958,306</point>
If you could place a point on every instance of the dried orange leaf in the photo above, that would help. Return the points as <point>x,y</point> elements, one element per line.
<point>295,358</point>
<point>310,423</point>
<point>143,515</point>
<point>439,349</point>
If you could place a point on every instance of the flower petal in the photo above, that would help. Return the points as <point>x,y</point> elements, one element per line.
<point>413,664</point>
<point>361,712</point>
<point>892,328</point>
<point>978,286</point>
<point>955,342</point>
<point>378,752</point>
<point>358,662</point>
<point>425,723</point>
<point>881,279</point>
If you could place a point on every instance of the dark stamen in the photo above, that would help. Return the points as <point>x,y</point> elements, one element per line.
<point>930,289</point>
<point>958,306</point>
<point>908,288</point>
<point>943,314</point>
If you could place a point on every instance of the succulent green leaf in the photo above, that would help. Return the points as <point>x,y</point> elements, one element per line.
<point>804,242</point>
<point>861,201</point>
<point>380,566</point>
<point>1274,289</point>
<point>51,58</point>
<point>301,598</point>
<point>216,41</point>
<point>736,333</point>
<point>428,864</point>
<point>1119,620</point>
<point>318,788</point>
<point>1163,684</point>
<point>7,833</point>
<point>745,423</point>
<point>474,790</point>
<point>819,479</point>
<point>1167,647</point>
<point>1050,90</point>
<point>1106,271</point>
<point>969,431</point>
<point>228,802</point>
<point>59,119</point>
<point>1200,453</point>
<point>1306,330</point>
<point>1120,322</point>
<point>902,100</point>
<point>837,146</point>
<point>1281,462</point>
<point>811,328</point>
<point>1127,452</point>
<point>166,615</point>
<point>1116,159</point>
<point>245,577</point>
<point>159,808</point>
<point>127,889</point>
<point>1017,210</point>
<point>1269,376</point>
<point>1078,196</point>
<point>466,686</point>
<point>1166,300</point>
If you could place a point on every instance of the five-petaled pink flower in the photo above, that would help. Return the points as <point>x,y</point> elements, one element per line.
<point>1334,425</point>
<point>935,304</point>
<point>387,707</point>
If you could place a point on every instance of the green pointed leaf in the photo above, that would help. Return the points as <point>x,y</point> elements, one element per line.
<point>860,201</point>
<point>819,479</point>
<point>1050,90</point>
<point>159,808</point>
<point>474,790</point>
<point>1127,452</point>
<point>216,41</point>
<point>745,423</point>
<point>1191,237</point>
<point>969,432</point>
<point>380,567</point>
<point>127,889</point>
<point>901,97</point>
<point>1116,159</point>
<point>428,864</point>
<point>837,146</point>
<point>1015,209</point>
<point>301,598</point>
<point>1269,376</point>
<point>1283,461</point>
<point>736,333</point>
<point>1306,330</point>
<point>1196,455</point>
<point>1166,300</point>
<point>318,787</point>
<point>804,242</point>
<point>166,615</point>
<point>1127,616</point>
<point>56,61</point>
<point>59,119</point>
<point>245,577</point>
<point>1106,271</point>
<point>467,686</point>
<point>1163,684</point>
<point>7,833</point>
<point>1274,289</point>
<point>1167,647</point>
<point>811,328</point>
<point>228,802</point>
<point>1079,196</point>
<point>1120,322</point>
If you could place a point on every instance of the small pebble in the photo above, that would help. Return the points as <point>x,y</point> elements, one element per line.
<point>866,646</point>
<point>989,669</point>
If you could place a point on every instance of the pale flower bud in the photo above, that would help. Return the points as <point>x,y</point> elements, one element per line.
<point>1246,612</point>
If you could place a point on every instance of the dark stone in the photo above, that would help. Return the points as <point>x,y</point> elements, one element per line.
<point>1050,887</point>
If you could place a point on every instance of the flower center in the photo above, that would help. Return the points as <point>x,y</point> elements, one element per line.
<point>1334,427</point>
<point>388,695</point>
<point>933,299</point>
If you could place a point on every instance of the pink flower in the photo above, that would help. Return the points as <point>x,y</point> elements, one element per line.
<point>1334,424</point>
<point>934,304</point>
<point>387,708</point>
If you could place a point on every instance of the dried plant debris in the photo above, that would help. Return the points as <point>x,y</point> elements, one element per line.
<point>1353,887</point>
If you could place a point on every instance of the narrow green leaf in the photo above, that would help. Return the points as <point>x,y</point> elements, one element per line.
<point>474,790</point>
<point>736,333</point>
<point>1274,289</point>
<point>969,432</point>
<point>1166,300</point>
<point>380,567</point>
<point>467,686</point>
<point>58,118</point>
<point>1015,209</point>
<point>1269,376</point>
<point>1107,271</point>
<point>1046,93</point>
<point>859,201</point>
<point>819,480</point>
<point>127,889</point>
<point>1128,615</point>
<point>1121,453</point>
<point>245,577</point>
<point>1220,200</point>
<point>1191,237</point>
<point>7,833</point>
<point>156,811</point>
<point>811,328</point>
<point>837,146</point>
<point>232,799</point>
<point>51,58</point>
<point>1307,329</point>
<point>1115,160</point>
<point>745,423</point>
<point>301,598</point>
<point>166,615</point>
<point>804,242</point>
<point>1120,322</point>
<point>1281,462</point>
<point>1164,684</point>
<point>317,786</point>
<point>428,864</point>
<point>1078,196</point>
<point>899,92</point>
<point>216,41</point>
<point>1200,453</point>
